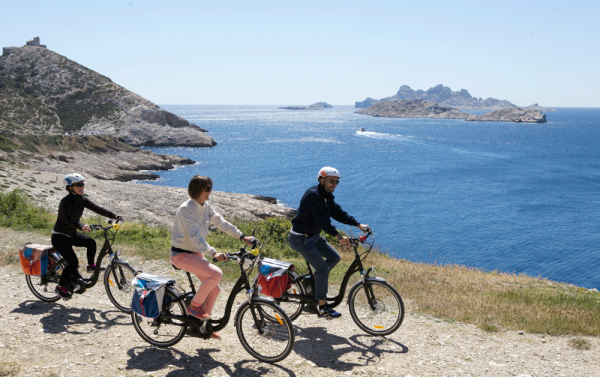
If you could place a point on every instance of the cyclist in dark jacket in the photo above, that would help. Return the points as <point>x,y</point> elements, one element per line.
<point>316,209</point>
<point>65,234</point>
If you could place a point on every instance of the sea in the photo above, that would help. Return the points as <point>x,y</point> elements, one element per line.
<point>509,197</point>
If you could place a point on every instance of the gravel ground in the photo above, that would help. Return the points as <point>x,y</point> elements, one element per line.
<point>87,336</point>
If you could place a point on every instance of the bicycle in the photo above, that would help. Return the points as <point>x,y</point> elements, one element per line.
<point>117,277</point>
<point>375,306</point>
<point>263,328</point>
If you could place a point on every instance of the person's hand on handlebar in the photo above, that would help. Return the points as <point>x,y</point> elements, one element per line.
<point>248,240</point>
<point>221,257</point>
<point>343,240</point>
<point>120,219</point>
<point>86,228</point>
<point>364,227</point>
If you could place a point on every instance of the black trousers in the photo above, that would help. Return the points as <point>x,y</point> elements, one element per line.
<point>64,245</point>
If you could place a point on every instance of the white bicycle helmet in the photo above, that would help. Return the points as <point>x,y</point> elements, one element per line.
<point>328,171</point>
<point>69,179</point>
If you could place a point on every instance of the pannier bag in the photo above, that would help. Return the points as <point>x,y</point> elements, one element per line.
<point>148,294</point>
<point>273,277</point>
<point>34,259</point>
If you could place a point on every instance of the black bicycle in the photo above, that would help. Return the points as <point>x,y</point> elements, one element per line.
<point>263,328</point>
<point>117,277</point>
<point>375,306</point>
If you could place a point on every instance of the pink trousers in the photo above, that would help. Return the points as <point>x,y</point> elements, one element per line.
<point>209,274</point>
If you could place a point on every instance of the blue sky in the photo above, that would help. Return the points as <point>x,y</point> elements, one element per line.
<point>298,53</point>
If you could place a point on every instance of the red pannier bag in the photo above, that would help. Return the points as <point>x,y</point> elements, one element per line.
<point>34,258</point>
<point>273,277</point>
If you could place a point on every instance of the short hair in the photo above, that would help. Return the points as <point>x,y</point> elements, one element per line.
<point>197,184</point>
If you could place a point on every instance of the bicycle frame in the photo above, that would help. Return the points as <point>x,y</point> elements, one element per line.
<point>106,249</point>
<point>204,329</point>
<point>356,266</point>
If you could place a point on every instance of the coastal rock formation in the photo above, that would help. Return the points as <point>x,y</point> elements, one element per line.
<point>323,105</point>
<point>419,108</point>
<point>120,166</point>
<point>515,115</point>
<point>445,97</point>
<point>409,108</point>
<point>44,92</point>
<point>366,103</point>
<point>139,201</point>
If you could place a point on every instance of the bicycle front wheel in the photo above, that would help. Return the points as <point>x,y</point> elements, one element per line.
<point>376,307</point>
<point>43,287</point>
<point>291,306</point>
<point>117,282</point>
<point>267,335</point>
<point>163,331</point>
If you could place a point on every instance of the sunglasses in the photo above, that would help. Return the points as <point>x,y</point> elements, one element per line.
<point>333,181</point>
<point>79,184</point>
<point>208,189</point>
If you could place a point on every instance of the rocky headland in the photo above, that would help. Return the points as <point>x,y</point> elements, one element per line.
<point>445,97</point>
<point>42,92</point>
<point>419,108</point>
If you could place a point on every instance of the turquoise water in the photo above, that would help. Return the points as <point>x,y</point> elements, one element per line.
<point>498,196</point>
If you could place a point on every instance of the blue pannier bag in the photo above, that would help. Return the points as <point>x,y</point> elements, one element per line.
<point>148,294</point>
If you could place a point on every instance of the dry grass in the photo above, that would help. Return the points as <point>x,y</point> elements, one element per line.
<point>580,344</point>
<point>492,300</point>
<point>9,369</point>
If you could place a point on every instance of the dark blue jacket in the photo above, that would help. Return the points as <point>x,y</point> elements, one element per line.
<point>317,207</point>
<point>70,210</point>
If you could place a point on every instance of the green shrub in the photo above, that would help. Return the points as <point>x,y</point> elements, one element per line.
<point>18,212</point>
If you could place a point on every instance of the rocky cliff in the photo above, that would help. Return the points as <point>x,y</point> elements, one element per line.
<point>445,97</point>
<point>42,92</point>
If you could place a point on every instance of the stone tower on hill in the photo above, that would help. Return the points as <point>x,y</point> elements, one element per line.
<point>34,42</point>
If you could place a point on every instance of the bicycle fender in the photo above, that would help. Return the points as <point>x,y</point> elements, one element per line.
<point>359,283</point>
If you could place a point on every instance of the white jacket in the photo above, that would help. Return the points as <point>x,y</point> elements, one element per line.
<point>191,227</point>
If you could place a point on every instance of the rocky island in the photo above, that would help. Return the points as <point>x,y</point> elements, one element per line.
<point>314,106</point>
<point>409,108</point>
<point>445,97</point>
<point>419,108</point>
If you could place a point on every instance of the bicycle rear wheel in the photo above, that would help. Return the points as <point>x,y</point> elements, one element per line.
<point>265,339</point>
<point>382,314</point>
<point>43,286</point>
<point>163,331</point>
<point>117,282</point>
<point>291,306</point>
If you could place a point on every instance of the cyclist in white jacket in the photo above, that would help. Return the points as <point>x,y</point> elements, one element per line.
<point>189,246</point>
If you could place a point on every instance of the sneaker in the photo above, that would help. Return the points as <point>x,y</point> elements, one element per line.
<point>198,312</point>
<point>92,268</point>
<point>216,336</point>
<point>327,311</point>
<point>62,292</point>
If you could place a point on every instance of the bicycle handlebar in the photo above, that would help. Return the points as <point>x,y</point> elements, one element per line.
<point>110,226</point>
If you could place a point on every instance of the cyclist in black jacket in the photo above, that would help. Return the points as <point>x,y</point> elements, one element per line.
<point>316,209</point>
<point>65,234</point>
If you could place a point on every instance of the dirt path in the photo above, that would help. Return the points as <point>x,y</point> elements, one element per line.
<point>87,336</point>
